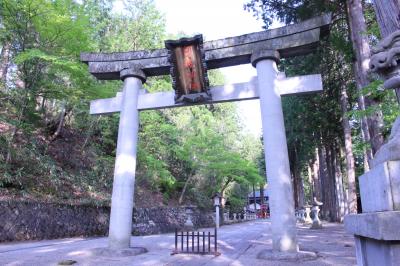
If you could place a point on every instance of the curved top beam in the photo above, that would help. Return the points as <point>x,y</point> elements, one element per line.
<point>291,40</point>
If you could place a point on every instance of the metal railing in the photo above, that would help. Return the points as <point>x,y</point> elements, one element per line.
<point>238,217</point>
<point>191,242</point>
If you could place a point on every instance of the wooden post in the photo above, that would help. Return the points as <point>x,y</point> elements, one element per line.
<point>198,242</point>
<point>193,241</point>
<point>204,239</point>
<point>176,239</point>
<point>187,241</point>
<point>209,242</point>
<point>181,241</point>
<point>215,241</point>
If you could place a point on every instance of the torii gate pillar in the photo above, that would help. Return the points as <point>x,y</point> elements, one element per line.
<point>125,164</point>
<point>283,223</point>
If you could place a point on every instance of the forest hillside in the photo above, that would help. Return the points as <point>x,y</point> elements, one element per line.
<point>51,149</point>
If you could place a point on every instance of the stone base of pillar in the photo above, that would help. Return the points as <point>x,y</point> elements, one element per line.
<point>307,221</point>
<point>299,256</point>
<point>188,224</point>
<point>307,217</point>
<point>376,230</point>
<point>316,225</point>
<point>126,252</point>
<point>377,237</point>
<point>300,215</point>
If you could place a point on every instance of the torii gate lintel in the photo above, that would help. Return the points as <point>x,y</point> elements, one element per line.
<point>225,93</point>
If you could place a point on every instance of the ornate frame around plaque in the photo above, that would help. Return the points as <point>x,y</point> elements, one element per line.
<point>188,69</point>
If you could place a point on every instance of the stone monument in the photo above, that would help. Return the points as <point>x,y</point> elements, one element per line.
<point>377,229</point>
<point>316,222</point>
<point>307,214</point>
<point>188,223</point>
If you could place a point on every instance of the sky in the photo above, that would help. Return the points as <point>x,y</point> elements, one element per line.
<point>217,19</point>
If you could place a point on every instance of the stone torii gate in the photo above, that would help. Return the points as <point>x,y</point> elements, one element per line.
<point>263,50</point>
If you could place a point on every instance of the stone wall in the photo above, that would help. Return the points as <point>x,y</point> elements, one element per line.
<point>33,220</point>
<point>162,220</point>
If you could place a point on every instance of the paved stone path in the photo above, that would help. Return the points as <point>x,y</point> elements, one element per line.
<point>238,243</point>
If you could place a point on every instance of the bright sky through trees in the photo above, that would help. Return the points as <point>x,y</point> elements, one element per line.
<point>217,20</point>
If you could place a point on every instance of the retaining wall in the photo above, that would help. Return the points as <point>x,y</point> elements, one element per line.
<point>33,220</point>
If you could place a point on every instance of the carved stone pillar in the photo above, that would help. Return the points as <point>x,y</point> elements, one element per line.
<point>316,222</point>
<point>125,164</point>
<point>376,230</point>
<point>226,217</point>
<point>283,221</point>
<point>120,229</point>
<point>302,217</point>
<point>385,59</point>
<point>307,217</point>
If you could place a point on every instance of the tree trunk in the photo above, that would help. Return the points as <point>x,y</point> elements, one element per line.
<point>254,198</point>
<point>248,198</point>
<point>90,132</point>
<point>184,189</point>
<point>350,169</point>
<point>295,190</point>
<point>4,61</point>
<point>316,176</point>
<point>358,29</point>
<point>333,183</point>
<point>309,196</point>
<point>299,181</point>
<point>15,131</point>
<point>330,182</point>
<point>324,185</point>
<point>388,16</point>
<point>366,136</point>
<point>301,190</point>
<point>339,192</point>
<point>61,121</point>
<point>262,193</point>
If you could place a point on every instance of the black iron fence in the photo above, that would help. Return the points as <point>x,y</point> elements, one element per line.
<point>196,243</point>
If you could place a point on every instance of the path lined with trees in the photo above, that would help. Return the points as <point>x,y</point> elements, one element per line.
<point>52,150</point>
<point>338,132</point>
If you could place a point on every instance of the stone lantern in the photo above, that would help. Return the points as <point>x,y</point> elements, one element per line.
<point>307,211</point>
<point>217,198</point>
<point>316,222</point>
<point>188,223</point>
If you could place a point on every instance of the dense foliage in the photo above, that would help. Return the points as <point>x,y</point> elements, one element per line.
<point>51,149</point>
<point>324,131</point>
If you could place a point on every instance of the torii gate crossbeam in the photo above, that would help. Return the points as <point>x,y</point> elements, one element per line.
<point>225,93</point>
